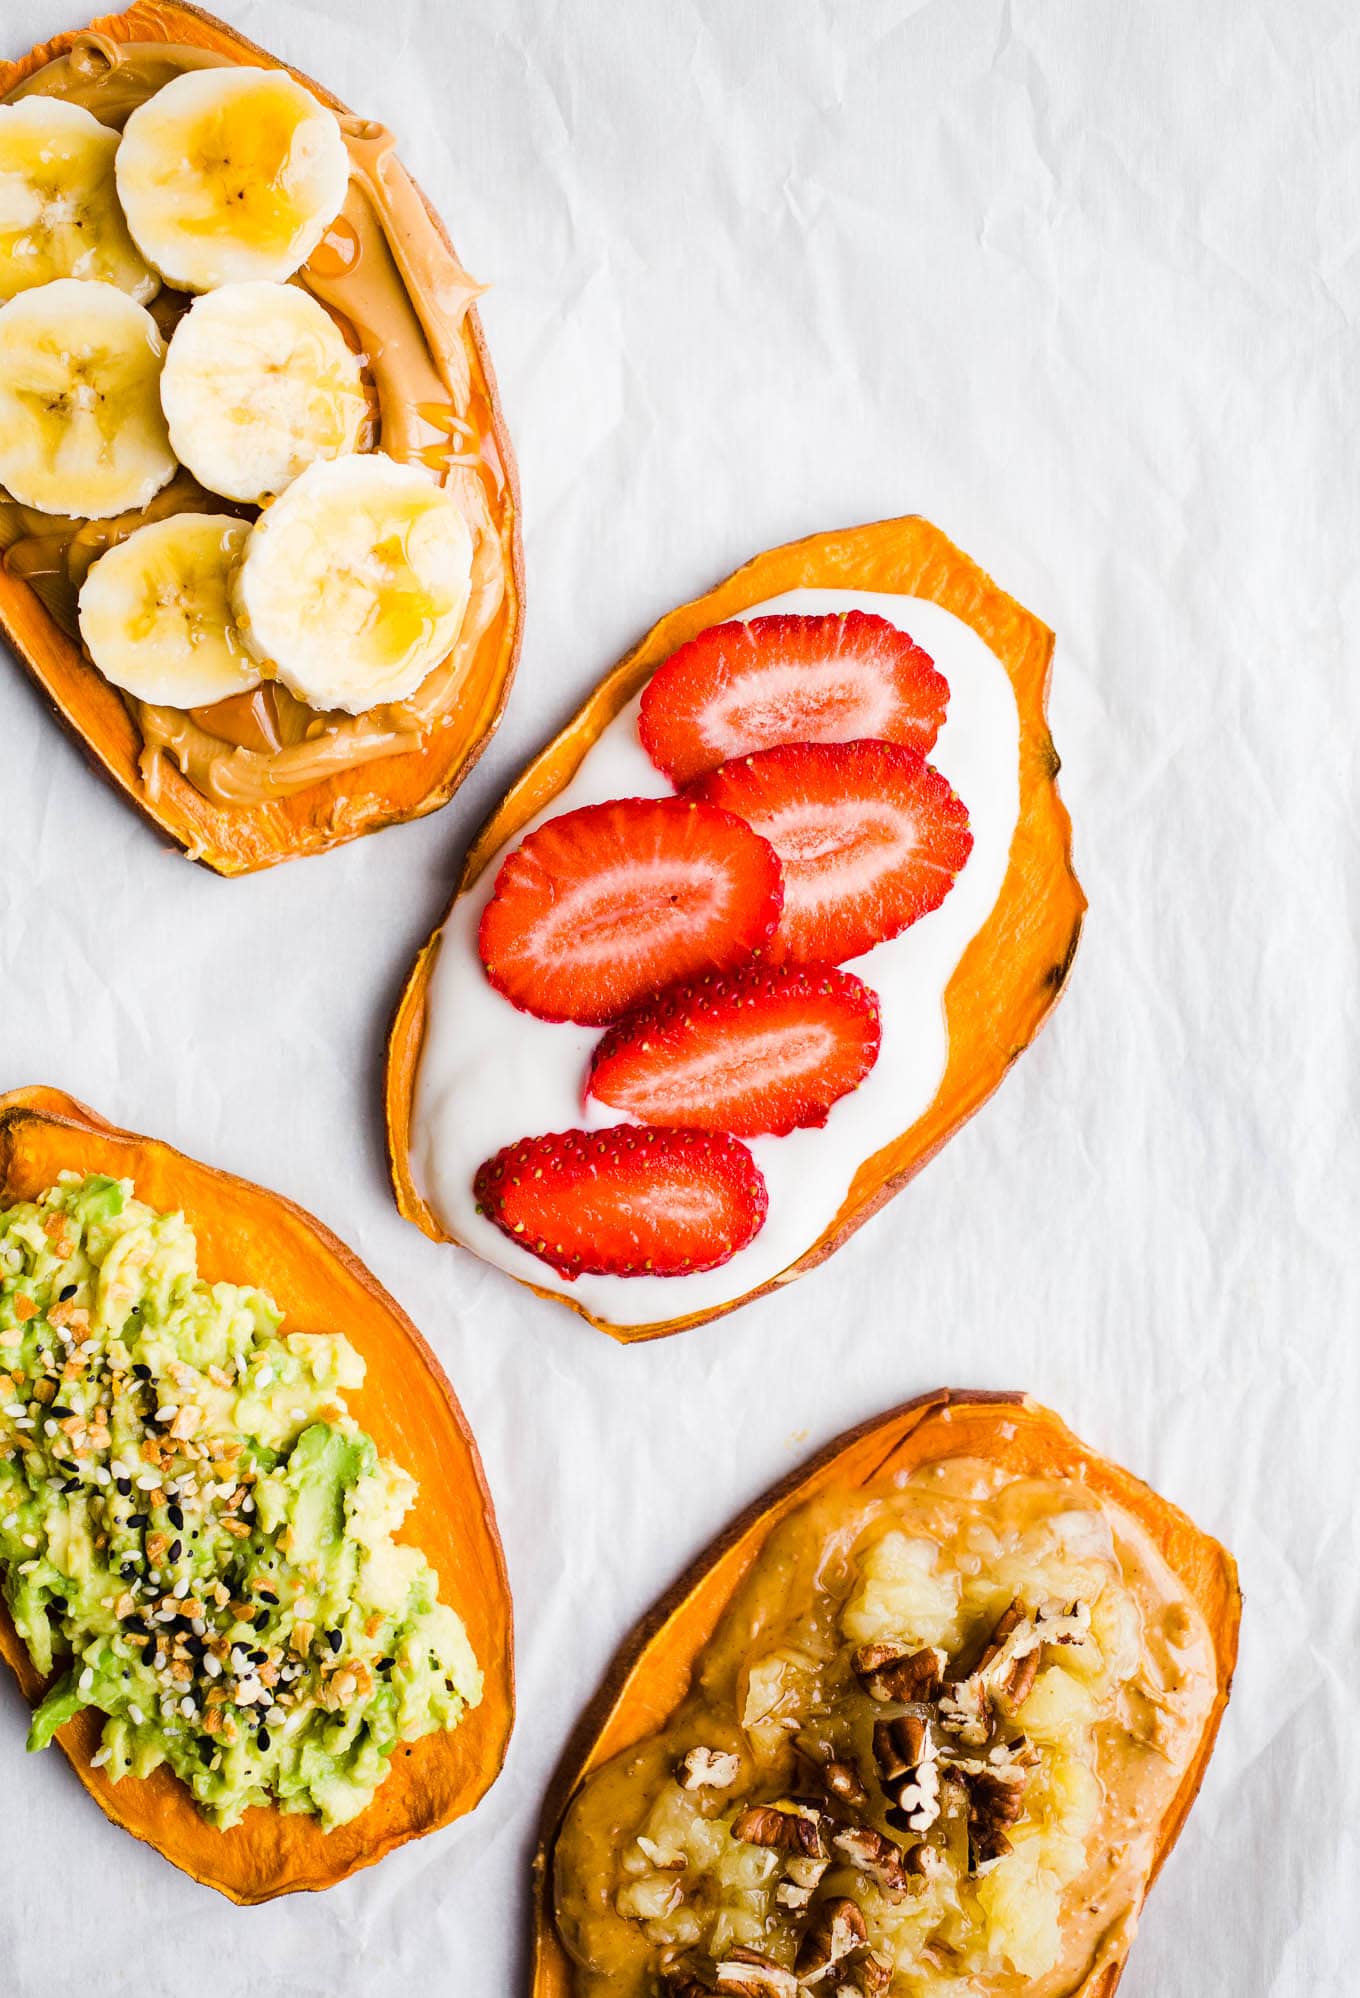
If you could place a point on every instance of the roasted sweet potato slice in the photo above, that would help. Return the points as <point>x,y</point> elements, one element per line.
<point>657,1665</point>
<point>1012,972</point>
<point>240,837</point>
<point>246,1235</point>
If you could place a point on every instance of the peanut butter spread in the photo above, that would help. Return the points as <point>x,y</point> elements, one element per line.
<point>388,278</point>
<point>927,1750</point>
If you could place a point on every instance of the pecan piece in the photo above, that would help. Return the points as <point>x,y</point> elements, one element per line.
<point>745,1973</point>
<point>835,1931</point>
<point>994,1801</point>
<point>868,1851</point>
<point>905,1752</point>
<point>781,1831</point>
<point>708,1769</point>
<point>888,1672</point>
<point>842,1780</point>
<point>1009,1621</point>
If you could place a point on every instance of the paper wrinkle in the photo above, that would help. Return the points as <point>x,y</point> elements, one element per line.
<point>1081,284</point>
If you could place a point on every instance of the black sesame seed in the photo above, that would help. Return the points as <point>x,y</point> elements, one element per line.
<point>139,1519</point>
<point>268,1596</point>
<point>71,1485</point>
<point>142,1371</point>
<point>176,1549</point>
<point>258,1657</point>
<point>335,1639</point>
<point>386,1664</point>
<point>128,1571</point>
<point>262,1740</point>
<point>123,1487</point>
<point>59,1409</point>
<point>176,1516</point>
<point>66,1293</point>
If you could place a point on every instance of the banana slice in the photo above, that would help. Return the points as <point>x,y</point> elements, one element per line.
<point>59,213</point>
<point>257,385</point>
<point>354,583</point>
<point>155,612</point>
<point>229,174</point>
<point>81,428</point>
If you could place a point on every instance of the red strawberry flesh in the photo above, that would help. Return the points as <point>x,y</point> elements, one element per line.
<point>625,1201</point>
<point>605,905</point>
<point>751,685</point>
<point>870,836</point>
<point>759,1050</point>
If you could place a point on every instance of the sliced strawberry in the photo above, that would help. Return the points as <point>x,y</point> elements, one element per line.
<point>605,905</point>
<point>745,686</point>
<point>750,1051</point>
<point>870,836</point>
<point>625,1201</point>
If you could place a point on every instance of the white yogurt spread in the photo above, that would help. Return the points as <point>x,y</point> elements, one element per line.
<point>490,1074</point>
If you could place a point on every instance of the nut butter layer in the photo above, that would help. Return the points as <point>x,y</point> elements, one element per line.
<point>927,1720</point>
<point>259,777</point>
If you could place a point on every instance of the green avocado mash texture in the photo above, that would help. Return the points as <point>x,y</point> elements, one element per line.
<point>193,1530</point>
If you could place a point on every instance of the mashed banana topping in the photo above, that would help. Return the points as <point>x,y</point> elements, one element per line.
<point>926,1751</point>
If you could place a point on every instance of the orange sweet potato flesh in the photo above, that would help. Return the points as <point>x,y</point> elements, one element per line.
<point>246,1235</point>
<point>240,839</point>
<point>1012,972</point>
<point>651,1675</point>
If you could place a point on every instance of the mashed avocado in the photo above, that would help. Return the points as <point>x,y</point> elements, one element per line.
<point>194,1529</point>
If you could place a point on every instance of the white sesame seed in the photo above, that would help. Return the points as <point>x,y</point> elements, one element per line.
<point>264,1377</point>
<point>167,1411</point>
<point>101,1476</point>
<point>212,1666</point>
<point>147,1482</point>
<point>49,1427</point>
<point>88,1346</point>
<point>187,1708</point>
<point>182,1587</point>
<point>27,1567</point>
<point>23,1422</point>
<point>30,1539</point>
<point>86,1679</point>
<point>12,1521</point>
<point>100,1757</point>
<point>14,1408</point>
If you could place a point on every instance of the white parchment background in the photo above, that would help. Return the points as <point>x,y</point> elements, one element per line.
<point>1080,279</point>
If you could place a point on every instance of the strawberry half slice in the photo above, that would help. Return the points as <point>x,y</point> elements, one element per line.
<point>762,1049</point>
<point>625,1201</point>
<point>870,836</point>
<point>605,905</point>
<point>745,686</point>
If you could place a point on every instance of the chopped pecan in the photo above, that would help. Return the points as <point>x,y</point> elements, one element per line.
<point>995,1800</point>
<point>836,1929</point>
<point>888,1672</point>
<point>745,1973</point>
<point>868,1851</point>
<point>708,1769</point>
<point>782,1831</point>
<point>842,1780</point>
<point>1020,1683</point>
<point>904,1749</point>
<point>868,1978</point>
<point>1009,1621</point>
<point>923,1861</point>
